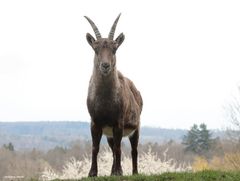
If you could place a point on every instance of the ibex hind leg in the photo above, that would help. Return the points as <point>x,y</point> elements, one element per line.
<point>134,144</point>
<point>110,143</point>
<point>117,137</point>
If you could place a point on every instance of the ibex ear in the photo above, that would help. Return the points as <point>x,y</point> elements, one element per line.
<point>120,39</point>
<point>90,39</point>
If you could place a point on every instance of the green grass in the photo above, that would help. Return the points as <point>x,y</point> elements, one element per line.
<point>185,176</point>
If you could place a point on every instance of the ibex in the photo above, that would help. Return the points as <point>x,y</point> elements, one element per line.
<point>113,101</point>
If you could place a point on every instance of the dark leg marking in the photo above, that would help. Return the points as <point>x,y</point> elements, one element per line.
<point>117,138</point>
<point>110,143</point>
<point>96,138</point>
<point>134,143</point>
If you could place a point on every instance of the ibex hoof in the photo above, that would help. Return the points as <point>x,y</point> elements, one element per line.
<point>135,172</point>
<point>92,173</point>
<point>117,172</point>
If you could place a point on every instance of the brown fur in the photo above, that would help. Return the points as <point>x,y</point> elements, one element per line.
<point>113,103</point>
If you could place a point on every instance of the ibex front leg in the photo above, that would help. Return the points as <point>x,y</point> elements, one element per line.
<point>117,138</point>
<point>96,138</point>
<point>134,143</point>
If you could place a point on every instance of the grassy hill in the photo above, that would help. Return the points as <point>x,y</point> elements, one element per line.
<point>198,176</point>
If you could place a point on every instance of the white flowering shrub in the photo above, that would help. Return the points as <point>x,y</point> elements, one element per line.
<point>148,163</point>
<point>49,174</point>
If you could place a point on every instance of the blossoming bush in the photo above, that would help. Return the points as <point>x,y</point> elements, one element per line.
<point>149,163</point>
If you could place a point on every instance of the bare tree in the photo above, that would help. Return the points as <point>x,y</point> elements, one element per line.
<point>232,110</point>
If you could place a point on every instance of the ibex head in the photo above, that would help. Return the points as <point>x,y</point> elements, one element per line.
<point>105,48</point>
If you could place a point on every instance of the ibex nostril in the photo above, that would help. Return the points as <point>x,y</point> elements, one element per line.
<point>105,65</point>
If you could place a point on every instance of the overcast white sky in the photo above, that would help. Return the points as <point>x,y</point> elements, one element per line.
<point>183,56</point>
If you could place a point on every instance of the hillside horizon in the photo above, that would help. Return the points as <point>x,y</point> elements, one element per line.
<point>45,135</point>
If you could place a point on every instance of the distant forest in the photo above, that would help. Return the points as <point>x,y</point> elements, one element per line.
<point>46,135</point>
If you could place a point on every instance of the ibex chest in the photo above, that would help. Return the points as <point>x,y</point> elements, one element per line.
<point>105,108</point>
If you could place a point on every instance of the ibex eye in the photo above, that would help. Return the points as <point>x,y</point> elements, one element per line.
<point>96,49</point>
<point>114,50</point>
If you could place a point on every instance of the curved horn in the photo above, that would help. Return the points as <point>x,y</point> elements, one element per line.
<point>111,34</point>
<point>95,29</point>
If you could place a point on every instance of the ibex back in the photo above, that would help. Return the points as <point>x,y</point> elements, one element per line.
<point>114,103</point>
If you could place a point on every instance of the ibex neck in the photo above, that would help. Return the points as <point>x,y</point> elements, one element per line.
<point>106,85</point>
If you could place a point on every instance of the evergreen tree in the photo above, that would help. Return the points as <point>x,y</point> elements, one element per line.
<point>205,139</point>
<point>191,139</point>
<point>9,147</point>
<point>198,139</point>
